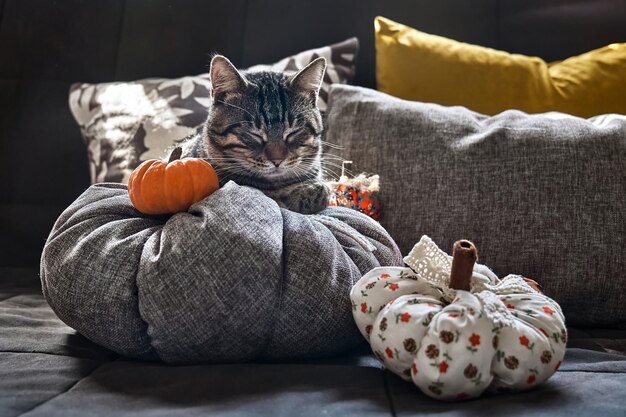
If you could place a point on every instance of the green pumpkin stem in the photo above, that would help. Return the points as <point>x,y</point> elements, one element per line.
<point>176,154</point>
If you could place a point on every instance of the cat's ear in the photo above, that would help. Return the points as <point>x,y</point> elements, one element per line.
<point>225,78</point>
<point>309,79</point>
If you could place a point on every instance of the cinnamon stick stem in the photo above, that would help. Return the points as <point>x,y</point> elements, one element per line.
<point>464,256</point>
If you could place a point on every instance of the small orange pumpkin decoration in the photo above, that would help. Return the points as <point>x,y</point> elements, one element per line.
<point>159,187</point>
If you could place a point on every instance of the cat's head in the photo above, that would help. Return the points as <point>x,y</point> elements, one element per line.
<point>264,127</point>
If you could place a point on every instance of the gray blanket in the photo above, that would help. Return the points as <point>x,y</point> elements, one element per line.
<point>233,279</point>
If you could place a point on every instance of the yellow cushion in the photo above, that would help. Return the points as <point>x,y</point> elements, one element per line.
<point>417,66</point>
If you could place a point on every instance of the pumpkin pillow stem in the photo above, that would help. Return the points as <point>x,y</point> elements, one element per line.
<point>464,256</point>
<point>176,154</point>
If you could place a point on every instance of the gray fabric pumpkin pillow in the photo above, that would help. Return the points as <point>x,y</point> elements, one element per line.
<point>233,279</point>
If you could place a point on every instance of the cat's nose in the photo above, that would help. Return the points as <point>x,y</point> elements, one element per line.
<point>277,162</point>
<point>276,153</point>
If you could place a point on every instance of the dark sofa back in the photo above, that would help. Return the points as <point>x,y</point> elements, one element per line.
<point>47,45</point>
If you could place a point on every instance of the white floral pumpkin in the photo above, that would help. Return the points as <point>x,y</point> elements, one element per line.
<point>502,334</point>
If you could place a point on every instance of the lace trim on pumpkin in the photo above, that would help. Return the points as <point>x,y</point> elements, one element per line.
<point>434,265</point>
<point>511,284</point>
<point>495,310</point>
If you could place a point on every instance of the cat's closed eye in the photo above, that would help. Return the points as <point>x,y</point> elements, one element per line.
<point>256,136</point>
<point>293,134</point>
<point>230,146</point>
<point>298,136</point>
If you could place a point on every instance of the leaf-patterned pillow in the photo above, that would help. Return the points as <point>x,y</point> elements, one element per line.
<point>126,123</point>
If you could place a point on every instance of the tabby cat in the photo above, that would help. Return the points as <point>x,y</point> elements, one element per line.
<point>263,131</point>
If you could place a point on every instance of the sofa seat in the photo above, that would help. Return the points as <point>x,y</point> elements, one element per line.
<point>47,369</point>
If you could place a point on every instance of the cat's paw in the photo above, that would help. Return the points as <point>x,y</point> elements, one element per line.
<point>312,198</point>
<point>305,198</point>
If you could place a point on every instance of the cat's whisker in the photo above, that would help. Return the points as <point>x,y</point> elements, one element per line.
<point>295,171</point>
<point>336,161</point>
<point>225,160</point>
<point>345,172</point>
<point>331,145</point>
<point>332,161</point>
<point>325,155</point>
<point>234,161</point>
<point>225,175</point>
<point>332,158</point>
<point>234,168</point>
<point>333,164</point>
<point>229,172</point>
<point>216,164</point>
<point>330,174</point>
<point>326,168</point>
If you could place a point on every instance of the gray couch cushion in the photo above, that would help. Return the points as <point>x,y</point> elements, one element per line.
<point>233,279</point>
<point>541,195</point>
<point>47,370</point>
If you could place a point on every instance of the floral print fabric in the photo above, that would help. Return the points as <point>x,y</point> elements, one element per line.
<point>456,350</point>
